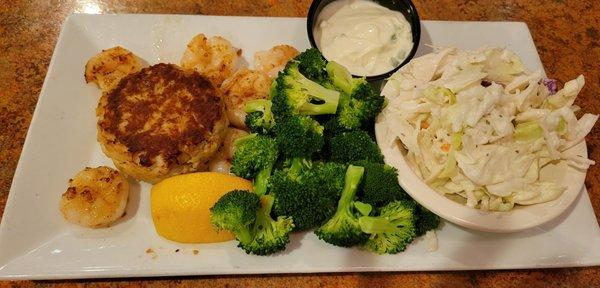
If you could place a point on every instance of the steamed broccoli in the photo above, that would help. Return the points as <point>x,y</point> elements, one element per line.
<point>392,230</point>
<point>359,103</point>
<point>259,119</point>
<point>354,146</point>
<point>331,177</point>
<point>236,213</point>
<point>343,228</point>
<point>295,94</point>
<point>254,157</point>
<point>247,216</point>
<point>426,220</point>
<point>380,184</point>
<point>307,192</point>
<point>342,79</point>
<point>270,235</point>
<point>299,136</point>
<point>312,64</point>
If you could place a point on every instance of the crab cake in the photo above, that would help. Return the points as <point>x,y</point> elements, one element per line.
<point>161,121</point>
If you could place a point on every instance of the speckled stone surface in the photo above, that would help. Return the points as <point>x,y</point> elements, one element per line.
<point>566,33</point>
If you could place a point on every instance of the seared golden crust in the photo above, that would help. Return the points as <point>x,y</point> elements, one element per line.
<point>96,197</point>
<point>161,121</point>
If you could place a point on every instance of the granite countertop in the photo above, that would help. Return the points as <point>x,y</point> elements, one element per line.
<point>566,34</point>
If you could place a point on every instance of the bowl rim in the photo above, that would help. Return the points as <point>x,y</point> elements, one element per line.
<point>519,219</point>
<point>415,25</point>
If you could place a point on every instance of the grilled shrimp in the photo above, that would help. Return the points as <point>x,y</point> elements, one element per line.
<point>243,86</point>
<point>108,67</point>
<point>227,149</point>
<point>221,162</point>
<point>96,197</point>
<point>273,60</point>
<point>214,58</point>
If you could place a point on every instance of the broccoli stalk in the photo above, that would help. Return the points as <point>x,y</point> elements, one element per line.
<point>392,230</point>
<point>259,119</point>
<point>262,180</point>
<point>343,228</point>
<point>342,79</point>
<point>296,94</point>
<point>247,216</point>
<point>270,235</point>
<point>297,166</point>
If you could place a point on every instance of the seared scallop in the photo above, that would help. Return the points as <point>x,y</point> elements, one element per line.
<point>96,197</point>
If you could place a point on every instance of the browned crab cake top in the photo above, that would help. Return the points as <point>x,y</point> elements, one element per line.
<point>160,111</point>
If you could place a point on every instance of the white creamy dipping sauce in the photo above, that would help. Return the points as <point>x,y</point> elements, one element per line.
<point>365,37</point>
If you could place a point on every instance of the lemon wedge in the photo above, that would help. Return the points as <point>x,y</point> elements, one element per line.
<point>181,205</point>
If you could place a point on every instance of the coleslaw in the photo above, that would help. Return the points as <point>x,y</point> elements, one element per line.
<point>478,126</point>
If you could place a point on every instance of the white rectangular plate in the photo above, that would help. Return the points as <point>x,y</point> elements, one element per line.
<point>36,243</point>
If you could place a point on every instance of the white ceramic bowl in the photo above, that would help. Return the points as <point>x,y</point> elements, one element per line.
<point>520,218</point>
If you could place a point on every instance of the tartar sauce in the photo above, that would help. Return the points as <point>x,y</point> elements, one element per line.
<point>365,37</point>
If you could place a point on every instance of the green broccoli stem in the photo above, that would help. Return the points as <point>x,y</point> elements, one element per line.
<point>376,225</point>
<point>261,181</point>
<point>353,176</point>
<point>241,140</point>
<point>266,204</point>
<point>264,222</point>
<point>316,91</point>
<point>244,235</point>
<point>340,76</point>
<point>297,165</point>
<point>342,229</point>
<point>257,105</point>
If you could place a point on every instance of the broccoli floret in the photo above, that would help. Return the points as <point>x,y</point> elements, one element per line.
<point>236,212</point>
<point>343,228</point>
<point>361,109</point>
<point>359,103</point>
<point>247,216</point>
<point>296,94</point>
<point>254,158</point>
<point>341,78</point>
<point>259,119</point>
<point>392,230</point>
<point>380,184</point>
<point>253,153</point>
<point>299,136</point>
<point>270,235</point>
<point>331,177</point>
<point>307,192</point>
<point>354,146</point>
<point>312,64</point>
<point>426,220</point>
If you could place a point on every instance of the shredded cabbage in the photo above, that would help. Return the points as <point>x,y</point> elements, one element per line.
<point>479,126</point>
